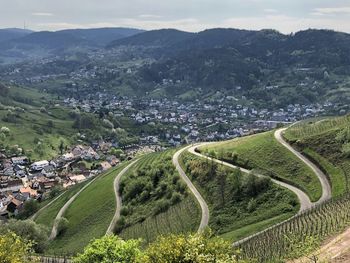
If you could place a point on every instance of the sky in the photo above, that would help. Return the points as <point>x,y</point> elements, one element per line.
<point>285,16</point>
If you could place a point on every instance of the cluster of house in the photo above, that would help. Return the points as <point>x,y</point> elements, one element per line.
<point>21,179</point>
<point>190,119</point>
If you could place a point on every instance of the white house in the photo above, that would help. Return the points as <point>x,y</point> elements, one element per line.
<point>38,166</point>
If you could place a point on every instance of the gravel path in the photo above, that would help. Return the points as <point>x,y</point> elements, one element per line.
<point>118,199</point>
<point>198,196</point>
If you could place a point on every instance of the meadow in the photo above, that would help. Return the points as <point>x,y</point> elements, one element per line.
<point>264,154</point>
<point>88,216</point>
<point>47,216</point>
<point>37,124</point>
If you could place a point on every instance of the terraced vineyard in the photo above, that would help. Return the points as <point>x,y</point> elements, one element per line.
<point>163,204</point>
<point>263,153</point>
<point>314,127</point>
<point>275,245</point>
<point>89,215</point>
<point>240,204</point>
<point>180,218</point>
<point>324,142</point>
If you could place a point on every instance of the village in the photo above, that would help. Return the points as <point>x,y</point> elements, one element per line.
<point>22,180</point>
<point>183,122</point>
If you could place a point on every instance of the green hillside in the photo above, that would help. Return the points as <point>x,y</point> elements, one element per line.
<point>240,204</point>
<point>38,124</point>
<point>326,142</point>
<point>47,216</point>
<point>155,200</point>
<point>263,153</point>
<point>89,215</point>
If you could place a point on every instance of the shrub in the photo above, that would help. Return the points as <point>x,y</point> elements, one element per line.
<point>62,226</point>
<point>28,230</point>
<point>110,249</point>
<point>29,208</point>
<point>162,206</point>
<point>14,249</point>
<point>195,248</point>
<point>5,130</point>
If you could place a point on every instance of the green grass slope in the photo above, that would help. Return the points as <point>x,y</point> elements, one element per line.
<point>263,153</point>
<point>38,131</point>
<point>47,216</point>
<point>155,200</point>
<point>327,143</point>
<point>239,204</point>
<point>89,215</point>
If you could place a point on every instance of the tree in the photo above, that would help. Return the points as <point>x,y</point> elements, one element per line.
<point>61,147</point>
<point>62,225</point>
<point>14,249</point>
<point>29,208</point>
<point>222,179</point>
<point>4,91</point>
<point>110,249</point>
<point>196,248</point>
<point>28,230</point>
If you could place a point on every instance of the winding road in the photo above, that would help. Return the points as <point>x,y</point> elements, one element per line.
<point>304,200</point>
<point>326,187</point>
<point>118,199</point>
<point>33,217</point>
<point>198,196</point>
<point>64,208</point>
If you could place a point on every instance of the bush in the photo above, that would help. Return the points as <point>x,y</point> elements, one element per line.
<point>14,249</point>
<point>29,208</point>
<point>195,248</point>
<point>161,206</point>
<point>110,249</point>
<point>28,230</point>
<point>62,226</point>
<point>5,130</point>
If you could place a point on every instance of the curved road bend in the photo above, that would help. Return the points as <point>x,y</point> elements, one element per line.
<point>326,188</point>
<point>198,196</point>
<point>33,217</point>
<point>118,198</point>
<point>64,209</point>
<point>304,200</point>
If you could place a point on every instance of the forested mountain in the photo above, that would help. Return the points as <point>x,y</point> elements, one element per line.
<point>261,65</point>
<point>12,33</point>
<point>265,67</point>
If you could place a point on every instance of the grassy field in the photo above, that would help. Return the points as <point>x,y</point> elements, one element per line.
<point>48,215</point>
<point>249,205</point>
<point>263,153</point>
<point>89,215</point>
<point>324,141</point>
<point>39,132</point>
<point>141,220</point>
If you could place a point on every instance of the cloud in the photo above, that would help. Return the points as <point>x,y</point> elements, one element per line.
<point>188,24</point>
<point>332,10</point>
<point>148,16</point>
<point>42,14</point>
<point>270,10</point>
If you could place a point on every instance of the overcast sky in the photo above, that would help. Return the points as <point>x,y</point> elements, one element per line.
<point>190,15</point>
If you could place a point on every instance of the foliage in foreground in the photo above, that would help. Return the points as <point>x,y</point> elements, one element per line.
<point>14,249</point>
<point>27,230</point>
<point>110,249</point>
<point>195,248</point>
